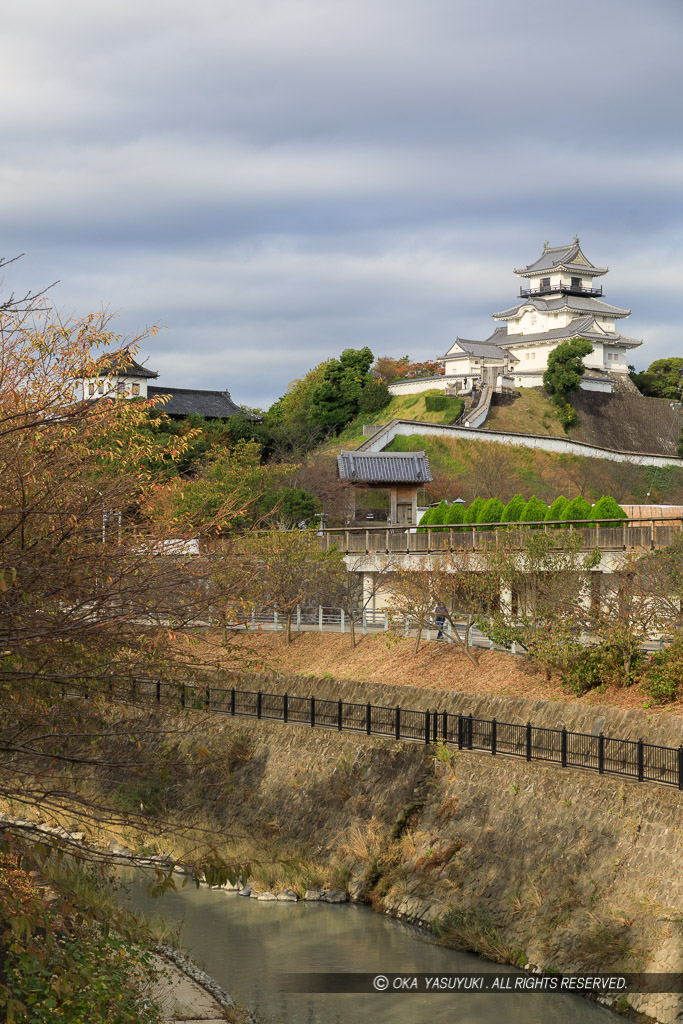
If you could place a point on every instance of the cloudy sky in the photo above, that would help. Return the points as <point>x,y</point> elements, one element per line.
<point>276,180</point>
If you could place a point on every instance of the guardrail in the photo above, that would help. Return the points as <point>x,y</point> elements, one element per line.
<point>645,535</point>
<point>607,755</point>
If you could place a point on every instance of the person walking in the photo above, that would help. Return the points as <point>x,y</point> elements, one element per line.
<point>440,613</point>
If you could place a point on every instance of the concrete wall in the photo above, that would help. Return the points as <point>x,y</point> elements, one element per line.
<point>566,869</point>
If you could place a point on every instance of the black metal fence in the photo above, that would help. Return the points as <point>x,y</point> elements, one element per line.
<point>634,759</point>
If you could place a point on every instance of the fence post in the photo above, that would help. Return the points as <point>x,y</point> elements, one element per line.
<point>320,618</point>
<point>459,732</point>
<point>601,754</point>
<point>427,721</point>
<point>253,619</point>
<point>182,696</point>
<point>342,620</point>
<point>680,767</point>
<point>469,731</point>
<point>386,622</point>
<point>275,621</point>
<point>258,704</point>
<point>563,747</point>
<point>368,718</point>
<point>312,712</point>
<point>398,722</point>
<point>444,726</point>
<point>528,741</point>
<point>365,622</point>
<point>340,713</point>
<point>232,701</point>
<point>494,738</point>
<point>298,618</point>
<point>285,707</point>
<point>158,691</point>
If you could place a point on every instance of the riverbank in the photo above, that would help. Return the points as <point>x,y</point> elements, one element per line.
<point>391,661</point>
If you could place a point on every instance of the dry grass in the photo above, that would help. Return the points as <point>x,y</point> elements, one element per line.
<point>435,666</point>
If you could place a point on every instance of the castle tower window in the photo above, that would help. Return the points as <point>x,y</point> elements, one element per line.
<point>545,284</point>
<point>576,283</point>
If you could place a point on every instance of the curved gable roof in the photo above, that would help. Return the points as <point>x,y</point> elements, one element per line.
<point>561,257</point>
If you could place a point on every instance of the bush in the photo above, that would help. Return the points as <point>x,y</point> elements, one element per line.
<point>374,396</point>
<point>607,508</point>
<point>436,403</point>
<point>534,511</point>
<point>456,513</point>
<point>663,678</point>
<point>492,511</point>
<point>578,508</point>
<point>558,509</point>
<point>473,511</point>
<point>513,509</point>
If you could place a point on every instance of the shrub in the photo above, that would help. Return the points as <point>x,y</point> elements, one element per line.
<point>374,396</point>
<point>558,509</point>
<point>607,508</point>
<point>492,511</point>
<point>473,511</point>
<point>436,403</point>
<point>578,508</point>
<point>664,675</point>
<point>456,513</point>
<point>513,509</point>
<point>534,511</point>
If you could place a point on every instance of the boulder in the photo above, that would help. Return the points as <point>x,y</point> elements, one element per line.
<point>313,894</point>
<point>287,896</point>
<point>334,896</point>
<point>267,897</point>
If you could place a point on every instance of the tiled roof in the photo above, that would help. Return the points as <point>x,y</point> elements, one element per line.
<point>483,349</point>
<point>216,405</point>
<point>580,326</point>
<point>554,257</point>
<point>122,363</point>
<point>384,467</point>
<point>577,303</point>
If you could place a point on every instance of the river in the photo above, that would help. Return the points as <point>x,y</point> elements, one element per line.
<point>248,946</point>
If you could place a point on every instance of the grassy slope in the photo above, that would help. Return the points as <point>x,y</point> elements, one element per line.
<point>470,468</point>
<point>403,407</point>
<point>531,413</point>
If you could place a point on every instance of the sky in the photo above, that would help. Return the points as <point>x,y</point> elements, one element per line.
<point>273,181</point>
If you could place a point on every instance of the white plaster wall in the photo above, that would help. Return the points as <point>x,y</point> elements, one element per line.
<point>121,385</point>
<point>549,444</point>
<point>417,386</point>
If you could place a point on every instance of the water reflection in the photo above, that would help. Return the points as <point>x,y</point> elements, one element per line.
<point>248,945</point>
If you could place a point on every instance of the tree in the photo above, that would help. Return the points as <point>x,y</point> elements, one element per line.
<point>290,569</point>
<point>96,583</point>
<point>336,399</point>
<point>387,368</point>
<point>473,511</point>
<point>662,379</point>
<point>291,422</point>
<point>546,583</point>
<point>374,396</point>
<point>449,589</point>
<point>578,508</point>
<point>564,373</point>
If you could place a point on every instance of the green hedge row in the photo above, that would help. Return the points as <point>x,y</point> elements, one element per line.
<point>518,510</point>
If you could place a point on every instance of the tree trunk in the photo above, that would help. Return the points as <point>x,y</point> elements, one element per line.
<point>288,627</point>
<point>352,629</point>
<point>417,639</point>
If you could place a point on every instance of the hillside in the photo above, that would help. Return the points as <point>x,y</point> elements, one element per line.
<point>467,469</point>
<point>404,407</point>
<point>623,421</point>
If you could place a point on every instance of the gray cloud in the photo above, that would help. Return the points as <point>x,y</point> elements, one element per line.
<point>279,180</point>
